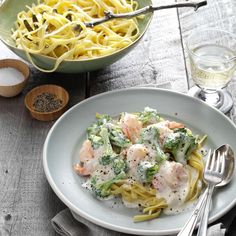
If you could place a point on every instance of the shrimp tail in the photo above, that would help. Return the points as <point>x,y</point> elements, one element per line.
<point>81,170</point>
<point>175,125</point>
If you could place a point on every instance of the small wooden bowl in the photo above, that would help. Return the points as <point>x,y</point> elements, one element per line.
<point>14,89</point>
<point>58,91</point>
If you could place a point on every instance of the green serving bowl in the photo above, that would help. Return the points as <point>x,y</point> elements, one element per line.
<point>8,12</point>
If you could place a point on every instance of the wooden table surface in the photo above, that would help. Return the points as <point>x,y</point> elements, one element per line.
<point>27,202</point>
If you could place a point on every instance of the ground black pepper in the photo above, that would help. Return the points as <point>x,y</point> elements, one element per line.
<point>47,102</point>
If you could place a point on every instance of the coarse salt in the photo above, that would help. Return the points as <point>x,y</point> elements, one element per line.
<point>10,76</point>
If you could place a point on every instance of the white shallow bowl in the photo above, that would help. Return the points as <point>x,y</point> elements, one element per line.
<point>68,133</point>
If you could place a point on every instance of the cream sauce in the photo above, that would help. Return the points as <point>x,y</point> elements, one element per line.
<point>172,184</point>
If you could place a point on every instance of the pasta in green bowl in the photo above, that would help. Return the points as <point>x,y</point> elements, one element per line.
<point>52,35</point>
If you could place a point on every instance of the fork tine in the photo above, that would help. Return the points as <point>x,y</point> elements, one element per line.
<point>213,160</point>
<point>208,162</point>
<point>218,162</point>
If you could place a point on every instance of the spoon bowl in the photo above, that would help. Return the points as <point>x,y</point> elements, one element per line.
<point>228,153</point>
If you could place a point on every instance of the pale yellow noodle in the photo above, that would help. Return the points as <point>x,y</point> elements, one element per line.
<point>48,28</point>
<point>147,198</point>
<point>144,196</point>
<point>195,161</point>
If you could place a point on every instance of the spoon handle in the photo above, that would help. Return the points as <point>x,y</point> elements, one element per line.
<point>191,223</point>
<point>109,15</point>
<point>202,230</point>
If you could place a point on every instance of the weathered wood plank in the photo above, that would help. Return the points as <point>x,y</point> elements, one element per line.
<point>220,14</point>
<point>217,14</point>
<point>156,59</point>
<point>27,201</point>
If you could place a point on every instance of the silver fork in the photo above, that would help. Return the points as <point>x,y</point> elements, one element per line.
<point>214,169</point>
<point>213,174</point>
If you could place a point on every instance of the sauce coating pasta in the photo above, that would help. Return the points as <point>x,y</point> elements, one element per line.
<point>151,163</point>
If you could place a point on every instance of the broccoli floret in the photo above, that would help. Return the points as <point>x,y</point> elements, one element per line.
<point>146,170</point>
<point>117,136</point>
<point>105,160</point>
<point>180,144</point>
<point>149,116</point>
<point>119,165</point>
<point>95,140</point>
<point>103,190</point>
<point>108,154</point>
<point>95,128</point>
<point>150,135</point>
<point>102,119</point>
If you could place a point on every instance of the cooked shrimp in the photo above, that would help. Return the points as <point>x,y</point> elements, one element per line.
<point>163,130</point>
<point>98,152</point>
<point>166,128</point>
<point>175,174</point>
<point>81,170</point>
<point>172,174</point>
<point>175,125</point>
<point>135,154</point>
<point>86,154</point>
<point>131,126</point>
<point>171,183</point>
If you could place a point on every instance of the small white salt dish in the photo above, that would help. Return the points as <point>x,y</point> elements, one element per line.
<point>14,75</point>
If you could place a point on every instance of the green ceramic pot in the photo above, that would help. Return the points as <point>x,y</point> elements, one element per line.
<point>8,13</point>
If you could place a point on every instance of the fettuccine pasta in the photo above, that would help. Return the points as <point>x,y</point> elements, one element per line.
<point>144,196</point>
<point>151,163</point>
<point>56,28</point>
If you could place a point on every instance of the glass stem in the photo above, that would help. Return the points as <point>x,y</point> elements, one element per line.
<point>212,98</point>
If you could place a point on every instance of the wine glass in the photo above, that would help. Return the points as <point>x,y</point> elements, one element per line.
<point>212,57</point>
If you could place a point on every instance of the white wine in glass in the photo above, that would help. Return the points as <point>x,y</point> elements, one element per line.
<point>214,71</point>
<point>212,57</point>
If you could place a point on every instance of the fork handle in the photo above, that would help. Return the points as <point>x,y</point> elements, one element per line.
<point>110,15</point>
<point>191,223</point>
<point>202,230</point>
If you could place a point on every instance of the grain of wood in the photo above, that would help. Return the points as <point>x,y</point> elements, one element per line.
<point>27,201</point>
<point>25,194</point>
<point>217,14</point>
<point>150,62</point>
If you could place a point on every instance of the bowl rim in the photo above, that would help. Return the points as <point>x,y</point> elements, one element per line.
<point>28,95</point>
<point>12,65</point>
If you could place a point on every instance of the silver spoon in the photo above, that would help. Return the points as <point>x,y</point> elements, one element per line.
<point>148,9</point>
<point>229,165</point>
<point>227,151</point>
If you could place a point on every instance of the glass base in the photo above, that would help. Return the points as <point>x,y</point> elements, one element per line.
<point>224,104</point>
